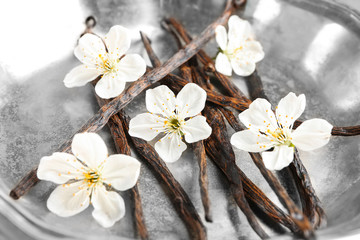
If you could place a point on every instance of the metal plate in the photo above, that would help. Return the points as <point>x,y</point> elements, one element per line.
<point>311,47</point>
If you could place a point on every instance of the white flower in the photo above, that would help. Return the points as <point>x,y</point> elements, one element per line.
<point>238,49</point>
<point>107,58</point>
<point>266,131</point>
<point>84,177</point>
<point>172,116</point>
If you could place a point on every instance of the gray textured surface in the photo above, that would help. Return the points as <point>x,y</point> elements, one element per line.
<point>311,48</point>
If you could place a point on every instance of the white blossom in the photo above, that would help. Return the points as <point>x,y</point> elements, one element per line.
<point>238,49</point>
<point>106,57</point>
<point>174,117</point>
<point>85,178</point>
<point>267,130</point>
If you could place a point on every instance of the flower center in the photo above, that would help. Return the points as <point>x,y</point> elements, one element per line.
<point>174,124</point>
<point>281,136</point>
<point>237,50</point>
<point>92,177</point>
<point>108,64</point>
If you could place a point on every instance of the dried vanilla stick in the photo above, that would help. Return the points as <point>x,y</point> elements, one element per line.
<point>198,147</point>
<point>310,202</point>
<point>122,147</point>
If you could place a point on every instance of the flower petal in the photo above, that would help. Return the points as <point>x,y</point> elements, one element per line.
<point>222,64</point>
<point>89,49</point>
<point>253,51</point>
<point>190,100</point>
<point>130,68</point>
<point>109,207</point>
<point>221,37</point>
<point>170,147</point>
<point>312,134</point>
<point>89,148</point>
<point>146,126</point>
<point>69,199</point>
<point>80,75</point>
<point>259,116</point>
<point>109,86</point>
<point>290,108</point>
<point>117,41</point>
<point>279,158</point>
<point>160,100</point>
<point>59,168</point>
<point>239,31</point>
<point>196,129</point>
<point>251,141</point>
<point>121,171</point>
<point>242,67</point>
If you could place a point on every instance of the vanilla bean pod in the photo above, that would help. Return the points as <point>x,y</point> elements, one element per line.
<point>155,61</point>
<point>122,146</point>
<point>301,220</point>
<point>198,147</point>
<point>255,86</point>
<point>119,135</point>
<point>200,153</point>
<point>178,196</point>
<point>309,200</point>
<point>338,131</point>
<point>295,213</point>
<point>231,119</point>
<point>185,71</point>
<point>199,150</point>
<point>25,184</point>
<point>206,79</point>
<point>222,153</point>
<point>236,189</point>
<point>139,217</point>
<point>100,119</point>
<point>346,131</point>
<point>227,162</point>
<point>252,192</point>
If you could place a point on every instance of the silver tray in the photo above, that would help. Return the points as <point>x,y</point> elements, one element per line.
<point>311,47</point>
